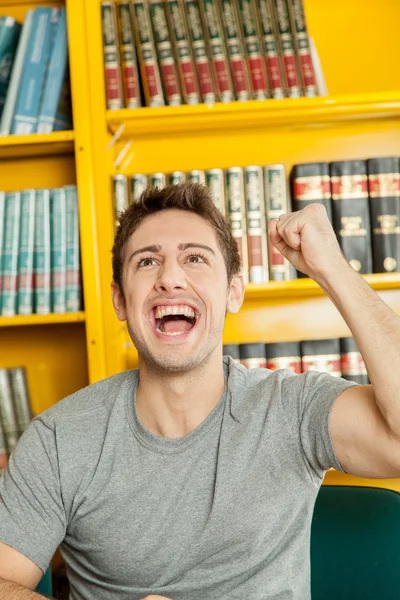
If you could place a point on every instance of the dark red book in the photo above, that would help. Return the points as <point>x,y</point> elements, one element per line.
<point>235,50</point>
<point>252,355</point>
<point>321,355</point>
<point>302,46</point>
<point>271,54</point>
<point>283,355</point>
<point>253,51</point>
<point>286,43</point>
<point>352,363</point>
<point>129,67</point>
<point>112,67</point>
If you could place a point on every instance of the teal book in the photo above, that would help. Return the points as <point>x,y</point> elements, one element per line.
<point>55,77</point>
<point>2,227</point>
<point>25,255</point>
<point>9,262</point>
<point>9,36</point>
<point>34,70</point>
<point>58,229</point>
<point>16,72</point>
<point>73,262</point>
<point>41,254</point>
<point>63,118</point>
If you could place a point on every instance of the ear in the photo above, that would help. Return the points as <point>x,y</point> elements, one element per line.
<point>118,301</point>
<point>235,294</point>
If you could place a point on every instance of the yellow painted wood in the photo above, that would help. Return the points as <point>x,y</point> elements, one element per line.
<point>52,319</point>
<point>18,146</point>
<point>334,477</point>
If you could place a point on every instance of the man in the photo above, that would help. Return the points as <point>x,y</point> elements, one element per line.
<point>195,478</point>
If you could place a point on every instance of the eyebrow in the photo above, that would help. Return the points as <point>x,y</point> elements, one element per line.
<point>182,247</point>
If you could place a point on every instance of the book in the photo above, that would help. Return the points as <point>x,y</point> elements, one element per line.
<point>2,228</point>
<point>128,58</point>
<point>311,183</point>
<point>55,76</point>
<point>302,46</point>
<point>25,254</point>
<point>34,70</point>
<point>283,355</point>
<point>166,60</point>
<point>183,53</point>
<point>350,212</point>
<point>158,180</point>
<point>322,89</point>
<point>196,176</point>
<point>384,206</point>
<point>176,177</point>
<point>16,72</point>
<point>120,195</point>
<point>200,54</point>
<point>352,363</point>
<point>63,118</point>
<point>253,51</point>
<point>137,185</point>
<point>286,46</point>
<point>215,184</point>
<point>72,256</point>
<point>277,202</point>
<point>147,54</point>
<point>21,399</point>
<point>270,48</point>
<point>321,355</point>
<point>9,266</point>
<point>252,355</point>
<point>112,67</point>
<point>7,412</point>
<point>58,249</point>
<point>235,50</point>
<point>256,224</point>
<point>233,351</point>
<point>42,254</point>
<point>236,215</point>
<point>219,58</point>
<point>10,31</point>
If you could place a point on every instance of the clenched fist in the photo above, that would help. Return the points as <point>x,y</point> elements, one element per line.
<point>307,240</point>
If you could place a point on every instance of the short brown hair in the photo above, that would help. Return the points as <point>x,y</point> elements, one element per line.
<point>192,197</point>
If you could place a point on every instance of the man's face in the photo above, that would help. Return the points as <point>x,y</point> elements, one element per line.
<point>176,290</point>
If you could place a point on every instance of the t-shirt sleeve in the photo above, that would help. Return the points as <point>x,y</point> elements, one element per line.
<point>32,516</point>
<point>308,400</point>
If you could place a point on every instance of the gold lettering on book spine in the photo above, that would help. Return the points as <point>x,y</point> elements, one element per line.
<point>212,24</point>
<point>352,227</point>
<point>384,185</point>
<point>388,225</point>
<point>298,15</point>
<point>178,25</point>
<point>349,187</point>
<point>229,19</point>
<point>160,23</point>
<point>247,18</point>
<point>282,15</point>
<point>108,28</point>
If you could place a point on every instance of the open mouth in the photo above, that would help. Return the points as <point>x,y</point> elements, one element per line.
<point>174,320</point>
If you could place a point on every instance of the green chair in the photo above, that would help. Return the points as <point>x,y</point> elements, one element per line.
<point>45,586</point>
<point>355,544</point>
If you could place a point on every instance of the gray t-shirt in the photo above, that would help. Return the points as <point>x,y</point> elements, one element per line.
<point>223,513</point>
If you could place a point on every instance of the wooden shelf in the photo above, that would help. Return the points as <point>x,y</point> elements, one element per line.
<point>51,319</point>
<point>300,288</point>
<point>304,112</point>
<point>37,144</point>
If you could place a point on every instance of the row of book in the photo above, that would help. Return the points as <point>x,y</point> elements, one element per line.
<point>34,74</point>
<point>193,51</point>
<point>340,357</point>
<point>39,252</point>
<point>362,199</point>
<point>15,410</point>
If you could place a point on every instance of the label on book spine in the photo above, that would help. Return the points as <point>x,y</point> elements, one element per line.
<point>130,76</point>
<point>276,204</point>
<point>216,43</point>
<point>302,44</point>
<point>256,227</point>
<point>25,258</point>
<point>236,214</point>
<point>138,184</point>
<point>258,78</point>
<point>287,48</point>
<point>273,64</point>
<point>215,184</point>
<point>176,177</point>
<point>196,176</point>
<point>158,180</point>
<point>235,50</point>
<point>111,58</point>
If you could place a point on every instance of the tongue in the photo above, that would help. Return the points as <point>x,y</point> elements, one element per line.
<point>172,326</point>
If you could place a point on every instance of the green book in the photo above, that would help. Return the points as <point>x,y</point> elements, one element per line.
<point>2,206</point>
<point>9,263</point>
<point>25,257</point>
<point>9,36</point>
<point>58,244</point>
<point>20,396</point>
<point>73,263</point>
<point>41,253</point>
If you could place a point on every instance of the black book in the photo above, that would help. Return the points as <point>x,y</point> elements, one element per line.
<point>252,355</point>
<point>283,355</point>
<point>353,366</point>
<point>321,355</point>
<point>384,206</point>
<point>350,212</point>
<point>231,350</point>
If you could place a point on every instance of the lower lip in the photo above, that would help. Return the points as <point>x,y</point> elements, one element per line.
<point>175,338</point>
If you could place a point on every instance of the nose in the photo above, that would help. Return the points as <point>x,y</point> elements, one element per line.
<point>171,277</point>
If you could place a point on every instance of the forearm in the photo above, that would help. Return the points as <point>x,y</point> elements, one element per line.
<point>13,591</point>
<point>376,330</point>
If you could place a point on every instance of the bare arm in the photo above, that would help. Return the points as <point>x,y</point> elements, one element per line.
<point>18,575</point>
<point>14,591</point>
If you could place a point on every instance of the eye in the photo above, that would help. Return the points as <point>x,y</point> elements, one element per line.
<point>147,262</point>
<point>196,258</point>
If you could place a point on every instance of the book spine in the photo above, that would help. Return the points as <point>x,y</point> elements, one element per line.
<point>284,355</point>
<point>158,180</point>
<point>112,68</point>
<point>350,212</point>
<point>215,184</point>
<point>176,177</point>
<point>34,71</point>
<point>55,77</point>
<point>120,195</point>
<point>187,68</point>
<point>217,49</point>
<point>256,225</point>
<point>352,363</point>
<point>287,48</point>
<point>137,185</point>
<point>276,204</point>
<point>196,176</point>
<point>10,32</point>
<point>236,215</point>
<point>20,396</point>
<point>7,412</point>
<point>58,249</point>
<point>235,50</point>
<point>127,53</point>
<point>3,450</point>
<point>42,254</point>
<point>253,356</point>
<point>200,55</point>
<point>321,355</point>
<point>147,54</point>
<point>384,203</point>
<point>166,60</point>
<point>302,45</point>
<point>2,211</point>
<point>16,73</point>
<point>25,255</point>
<point>233,351</point>
<point>255,61</point>
<point>12,212</point>
<point>271,55</point>
<point>73,258</point>
<point>311,183</point>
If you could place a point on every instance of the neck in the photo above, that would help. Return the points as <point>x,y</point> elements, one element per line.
<point>173,405</point>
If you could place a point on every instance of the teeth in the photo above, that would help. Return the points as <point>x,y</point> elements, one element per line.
<point>172,333</point>
<point>180,309</point>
